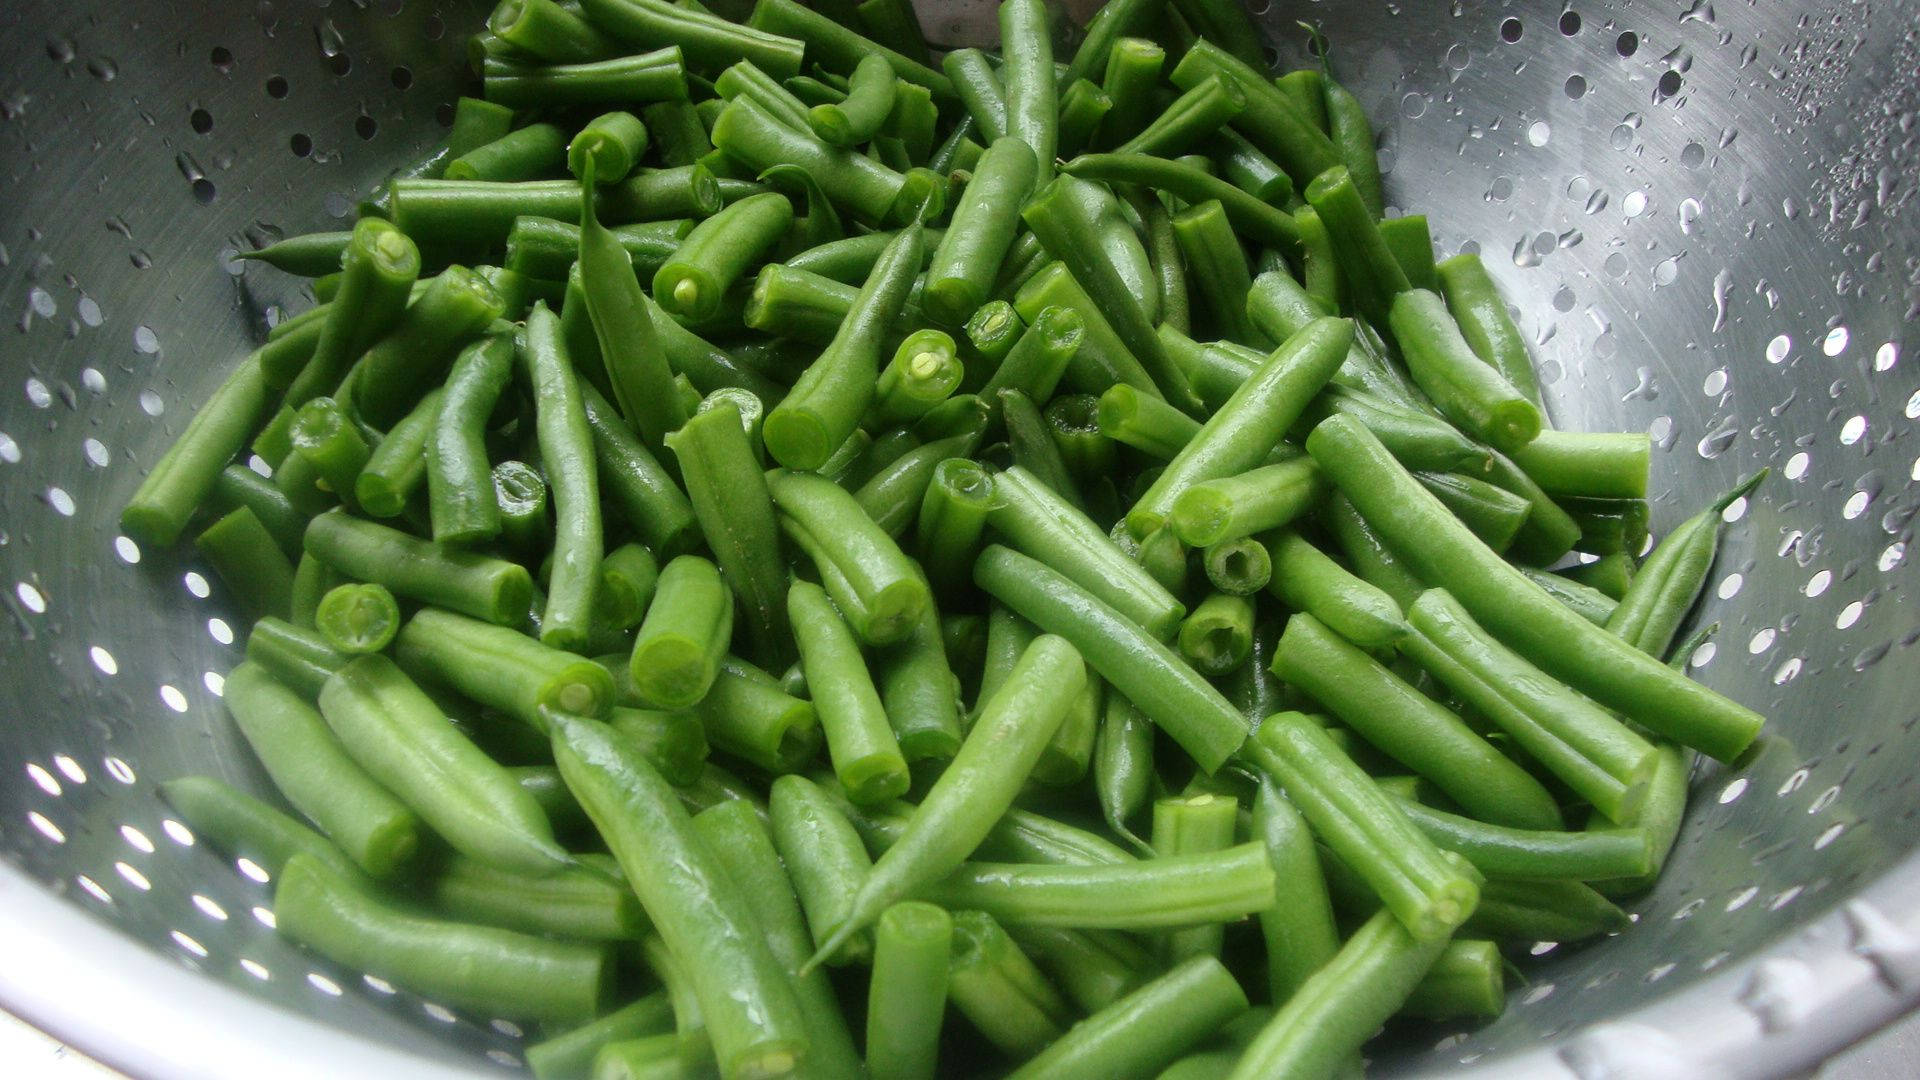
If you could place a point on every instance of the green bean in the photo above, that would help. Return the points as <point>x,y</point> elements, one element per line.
<point>1609,526</point>
<point>660,75</point>
<point>994,329</point>
<point>741,843</point>
<point>548,31</point>
<point>1549,531</point>
<point>1321,1027</point>
<point>1671,579</point>
<point>1305,579</point>
<point>1589,603</point>
<point>612,142</point>
<point>1429,892</point>
<point>888,586</point>
<point>245,828</point>
<point>330,451</point>
<point>1026,50</point>
<point>1562,911</point>
<point>1610,574</point>
<point>1493,514</point>
<point>402,739</point>
<point>677,654</point>
<point>378,271</point>
<point>534,152</point>
<point>580,903</point>
<point>244,554</point>
<point>1606,465</point>
<point>1218,267</point>
<point>1410,727</point>
<point>1082,107</point>
<point>237,486</point>
<point>1169,692</point>
<point>981,93</point>
<point>176,485</point>
<point>925,370</point>
<point>1279,306</point>
<point>1306,87</point>
<point>309,255</point>
<point>859,116</point>
<point>828,401</point>
<point>1131,75</point>
<point>570,1054</point>
<point>1412,247</point>
<point>750,717</point>
<point>1250,424</point>
<point>920,694</point>
<point>730,499</point>
<point>907,994</point>
<point>1194,825</point>
<point>629,343</point>
<point>1138,1034</point>
<point>1476,304</point>
<point>996,987</point>
<point>838,48</point>
<point>1006,740</point>
<point>1352,136</point>
<point>521,495</point>
<point>1147,424</point>
<point>297,656</point>
<point>1103,359</point>
<point>488,970</point>
<point>717,252</point>
<point>690,1048</point>
<point>1123,766</point>
<point>314,772</point>
<point>1094,968</point>
<point>1299,930</point>
<point>914,120</point>
<point>397,466</point>
<point>892,496</point>
<point>1270,118</point>
<point>953,517</point>
<point>1372,561</point>
<point>566,451</point>
<point>501,668</point>
<point>485,588</point>
<point>356,618</point>
<point>1516,611</point>
<point>469,215</point>
<point>865,753</point>
<point>655,195</point>
<point>1081,224</point>
<point>1470,393</point>
<point>1373,277</point>
<point>677,132</point>
<point>1535,855</point>
<point>459,481</point>
<point>636,483</point>
<point>1218,636</point>
<point>1169,891</point>
<point>476,122</point>
<point>746,80</point>
<point>972,251</point>
<point>1254,501</point>
<point>1191,118</point>
<point>1042,525</point>
<point>869,190</point>
<point>1467,981</point>
<point>1239,567</point>
<point>850,260</point>
<point>747,1002</point>
<point>825,860</point>
<point>1065,759</point>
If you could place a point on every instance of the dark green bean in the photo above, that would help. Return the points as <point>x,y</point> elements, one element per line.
<point>997,987</point>
<point>858,117</point>
<point>1188,120</point>
<point>839,48</point>
<point>636,483</point>
<point>570,1055</point>
<point>1352,136</point>
<point>1270,118</point>
<point>1412,247</point>
<point>1103,359</point>
<point>1123,766</point>
<point>534,152</point>
<point>249,562</point>
<point>971,252</point>
<point>459,481</point>
<point>1562,911</point>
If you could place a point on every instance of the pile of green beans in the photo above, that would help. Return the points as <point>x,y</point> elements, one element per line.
<point>746,506</point>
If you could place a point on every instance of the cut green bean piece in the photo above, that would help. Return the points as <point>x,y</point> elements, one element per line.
<point>865,753</point>
<point>687,628</point>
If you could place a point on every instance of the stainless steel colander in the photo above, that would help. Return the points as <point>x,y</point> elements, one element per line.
<point>1704,211</point>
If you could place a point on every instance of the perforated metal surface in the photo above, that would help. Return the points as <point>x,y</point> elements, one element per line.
<point>1704,214</point>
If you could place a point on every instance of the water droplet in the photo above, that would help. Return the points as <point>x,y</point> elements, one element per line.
<point>1722,292</point>
<point>1715,442</point>
<point>1667,269</point>
<point>1693,155</point>
<point>1644,386</point>
<point>1778,348</point>
<point>103,68</point>
<point>60,50</point>
<point>1835,341</point>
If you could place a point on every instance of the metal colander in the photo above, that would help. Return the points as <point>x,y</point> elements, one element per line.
<point>1704,212</point>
